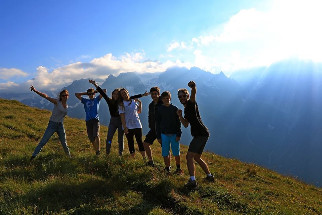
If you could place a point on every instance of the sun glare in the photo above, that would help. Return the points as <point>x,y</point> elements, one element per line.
<point>299,21</point>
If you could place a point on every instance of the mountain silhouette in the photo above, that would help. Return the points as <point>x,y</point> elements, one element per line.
<point>269,116</point>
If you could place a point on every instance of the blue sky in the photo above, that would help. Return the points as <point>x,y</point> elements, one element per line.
<point>51,43</point>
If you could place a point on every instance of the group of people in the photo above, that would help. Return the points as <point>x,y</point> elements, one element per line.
<point>164,120</point>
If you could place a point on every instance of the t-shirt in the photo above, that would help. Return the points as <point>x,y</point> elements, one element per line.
<point>191,113</point>
<point>132,119</point>
<point>91,107</point>
<point>59,112</point>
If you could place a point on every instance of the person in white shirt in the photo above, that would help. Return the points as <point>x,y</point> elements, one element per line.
<point>129,110</point>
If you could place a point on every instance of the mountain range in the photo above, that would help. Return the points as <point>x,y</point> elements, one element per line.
<point>270,116</point>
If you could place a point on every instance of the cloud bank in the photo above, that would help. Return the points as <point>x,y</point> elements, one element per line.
<point>98,68</point>
<point>6,73</point>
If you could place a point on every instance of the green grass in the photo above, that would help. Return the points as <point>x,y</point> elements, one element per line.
<point>86,184</point>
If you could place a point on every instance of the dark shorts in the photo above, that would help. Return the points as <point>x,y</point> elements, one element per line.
<point>198,144</point>
<point>93,128</point>
<point>151,137</point>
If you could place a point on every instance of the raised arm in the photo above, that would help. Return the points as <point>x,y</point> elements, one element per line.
<point>44,95</point>
<point>79,95</point>
<point>100,90</point>
<point>140,95</point>
<point>193,87</point>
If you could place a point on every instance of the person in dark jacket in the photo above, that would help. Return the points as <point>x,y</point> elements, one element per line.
<point>169,131</point>
<point>152,135</point>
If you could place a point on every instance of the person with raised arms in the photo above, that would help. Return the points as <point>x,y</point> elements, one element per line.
<point>91,106</point>
<point>199,133</point>
<point>115,120</point>
<point>56,120</point>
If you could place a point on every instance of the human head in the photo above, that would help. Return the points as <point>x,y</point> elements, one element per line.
<point>155,93</point>
<point>116,94</point>
<point>183,95</point>
<point>124,94</point>
<point>166,97</point>
<point>63,95</point>
<point>91,93</point>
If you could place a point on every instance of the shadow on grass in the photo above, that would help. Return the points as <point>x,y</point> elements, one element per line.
<point>59,196</point>
<point>44,166</point>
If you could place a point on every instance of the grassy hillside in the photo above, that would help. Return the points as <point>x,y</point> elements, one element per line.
<point>86,184</point>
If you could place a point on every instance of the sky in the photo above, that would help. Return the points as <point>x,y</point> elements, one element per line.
<point>51,43</point>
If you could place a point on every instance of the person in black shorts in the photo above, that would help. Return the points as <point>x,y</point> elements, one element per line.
<point>151,135</point>
<point>199,132</point>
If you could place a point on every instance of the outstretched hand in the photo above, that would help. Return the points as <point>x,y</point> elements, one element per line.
<point>92,81</point>
<point>146,93</point>
<point>32,88</point>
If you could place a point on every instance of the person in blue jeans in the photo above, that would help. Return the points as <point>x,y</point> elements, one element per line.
<point>91,106</point>
<point>55,122</point>
<point>168,129</point>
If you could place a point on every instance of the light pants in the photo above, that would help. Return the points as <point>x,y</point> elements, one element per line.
<point>53,127</point>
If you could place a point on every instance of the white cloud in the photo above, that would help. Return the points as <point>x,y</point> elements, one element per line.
<point>177,45</point>
<point>253,37</point>
<point>98,68</point>
<point>6,73</point>
<point>7,85</point>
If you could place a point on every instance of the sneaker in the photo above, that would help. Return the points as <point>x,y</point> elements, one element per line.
<point>167,169</point>
<point>191,184</point>
<point>179,172</point>
<point>150,163</point>
<point>210,178</point>
<point>98,153</point>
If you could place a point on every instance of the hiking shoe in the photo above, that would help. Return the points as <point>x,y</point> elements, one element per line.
<point>210,178</point>
<point>191,184</point>
<point>150,163</point>
<point>98,153</point>
<point>32,157</point>
<point>179,172</point>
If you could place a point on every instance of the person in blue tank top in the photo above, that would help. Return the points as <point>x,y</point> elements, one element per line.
<point>91,107</point>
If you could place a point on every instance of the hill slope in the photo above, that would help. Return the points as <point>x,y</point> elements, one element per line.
<point>86,184</point>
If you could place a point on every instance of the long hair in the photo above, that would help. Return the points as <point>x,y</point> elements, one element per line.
<point>61,93</point>
<point>118,96</point>
<point>120,100</point>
